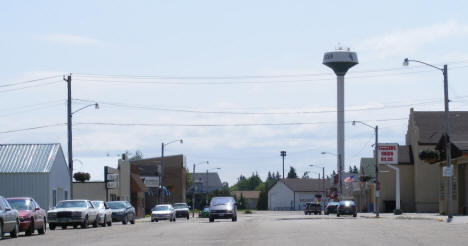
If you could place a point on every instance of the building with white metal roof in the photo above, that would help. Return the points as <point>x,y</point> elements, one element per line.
<point>34,170</point>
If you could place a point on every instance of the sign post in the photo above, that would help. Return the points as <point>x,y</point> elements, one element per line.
<point>387,154</point>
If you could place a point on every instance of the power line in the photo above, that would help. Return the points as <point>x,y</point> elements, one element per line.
<point>31,86</point>
<point>193,125</point>
<point>28,81</point>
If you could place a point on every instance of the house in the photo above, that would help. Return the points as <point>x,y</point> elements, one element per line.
<point>206,182</point>
<point>292,194</point>
<point>34,170</point>
<point>250,197</point>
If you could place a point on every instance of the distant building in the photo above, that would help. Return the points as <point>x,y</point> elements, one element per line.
<point>34,170</point>
<point>206,182</point>
<point>292,194</point>
<point>250,197</point>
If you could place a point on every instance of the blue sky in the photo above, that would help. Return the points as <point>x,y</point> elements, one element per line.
<point>184,40</point>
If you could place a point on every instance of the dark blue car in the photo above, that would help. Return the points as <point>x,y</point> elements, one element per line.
<point>122,211</point>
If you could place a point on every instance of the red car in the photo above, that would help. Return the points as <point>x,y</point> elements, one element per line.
<point>31,216</point>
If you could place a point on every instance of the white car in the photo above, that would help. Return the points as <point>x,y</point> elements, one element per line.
<point>104,213</point>
<point>72,212</point>
<point>163,212</point>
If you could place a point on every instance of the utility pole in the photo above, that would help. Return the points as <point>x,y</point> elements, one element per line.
<point>377,184</point>
<point>283,154</point>
<point>161,197</point>
<point>193,192</point>
<point>323,183</point>
<point>448,153</point>
<point>68,79</point>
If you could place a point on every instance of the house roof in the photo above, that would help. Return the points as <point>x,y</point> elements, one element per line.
<point>248,194</point>
<point>431,124</point>
<point>305,185</point>
<point>212,178</point>
<point>28,158</point>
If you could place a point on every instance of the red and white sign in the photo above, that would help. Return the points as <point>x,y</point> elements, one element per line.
<point>387,153</point>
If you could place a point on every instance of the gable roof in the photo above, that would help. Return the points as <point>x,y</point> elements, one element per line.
<point>305,185</point>
<point>28,158</point>
<point>247,194</point>
<point>213,179</point>
<point>431,124</point>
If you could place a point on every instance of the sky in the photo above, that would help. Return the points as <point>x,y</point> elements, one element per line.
<point>238,81</point>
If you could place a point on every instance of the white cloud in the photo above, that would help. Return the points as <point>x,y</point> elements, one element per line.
<point>72,39</point>
<point>402,42</point>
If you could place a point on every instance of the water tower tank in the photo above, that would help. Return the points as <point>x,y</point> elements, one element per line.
<point>340,61</point>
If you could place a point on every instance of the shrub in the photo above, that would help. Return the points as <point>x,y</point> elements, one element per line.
<point>81,177</point>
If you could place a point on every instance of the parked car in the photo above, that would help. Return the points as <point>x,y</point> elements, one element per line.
<point>346,208</point>
<point>163,212</point>
<point>182,210</point>
<point>122,211</point>
<point>223,208</point>
<point>312,208</point>
<point>9,219</point>
<point>104,213</point>
<point>31,216</point>
<point>73,213</point>
<point>331,208</point>
<point>204,213</point>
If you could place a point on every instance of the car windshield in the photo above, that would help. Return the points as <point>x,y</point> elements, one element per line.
<point>71,204</point>
<point>116,205</point>
<point>21,204</point>
<point>347,203</point>
<point>97,204</point>
<point>180,205</point>
<point>161,208</point>
<point>220,201</point>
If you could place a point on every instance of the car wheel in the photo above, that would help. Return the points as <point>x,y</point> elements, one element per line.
<point>109,223</point>
<point>42,230</point>
<point>1,230</point>
<point>133,220</point>
<point>104,222</point>
<point>30,230</point>
<point>64,227</point>
<point>96,222</point>
<point>188,217</point>
<point>85,223</point>
<point>155,220</point>
<point>14,233</point>
<point>211,219</point>
<point>234,219</point>
<point>125,219</point>
<point>354,215</point>
<point>75,226</point>
<point>337,215</point>
<point>51,226</point>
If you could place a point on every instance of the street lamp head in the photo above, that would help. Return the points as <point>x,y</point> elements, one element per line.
<point>181,141</point>
<point>354,122</point>
<point>323,153</point>
<point>96,106</point>
<point>405,62</point>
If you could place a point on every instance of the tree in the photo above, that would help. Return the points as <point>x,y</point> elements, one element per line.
<point>334,173</point>
<point>355,170</point>
<point>81,177</point>
<point>350,169</point>
<point>305,175</point>
<point>292,173</point>
<point>134,157</point>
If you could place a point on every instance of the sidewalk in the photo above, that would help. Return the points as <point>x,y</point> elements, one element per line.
<point>417,216</point>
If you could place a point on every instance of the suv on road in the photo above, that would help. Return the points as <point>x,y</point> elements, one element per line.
<point>346,208</point>
<point>312,208</point>
<point>223,208</point>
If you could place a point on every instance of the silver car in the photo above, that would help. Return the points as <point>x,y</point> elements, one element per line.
<point>72,212</point>
<point>104,213</point>
<point>223,208</point>
<point>163,212</point>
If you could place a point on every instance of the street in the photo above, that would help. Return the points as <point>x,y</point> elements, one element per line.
<point>262,228</point>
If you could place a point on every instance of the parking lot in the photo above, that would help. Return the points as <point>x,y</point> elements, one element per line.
<point>261,228</point>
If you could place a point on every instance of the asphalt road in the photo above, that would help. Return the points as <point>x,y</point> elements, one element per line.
<point>261,228</point>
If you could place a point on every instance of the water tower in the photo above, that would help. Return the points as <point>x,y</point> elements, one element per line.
<point>340,61</point>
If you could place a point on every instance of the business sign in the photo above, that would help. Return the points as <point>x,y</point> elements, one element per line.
<point>151,181</point>
<point>447,171</point>
<point>112,185</point>
<point>387,153</point>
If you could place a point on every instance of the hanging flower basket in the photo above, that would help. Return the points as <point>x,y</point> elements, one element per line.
<point>429,156</point>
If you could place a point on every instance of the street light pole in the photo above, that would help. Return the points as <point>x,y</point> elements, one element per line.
<point>69,130</point>
<point>323,181</point>
<point>193,191</point>
<point>448,152</point>
<point>161,197</point>
<point>377,184</point>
